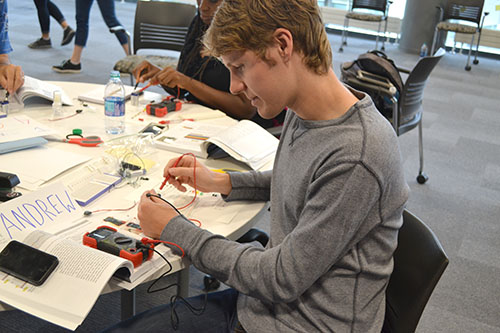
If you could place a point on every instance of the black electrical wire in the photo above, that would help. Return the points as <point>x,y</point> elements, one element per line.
<point>174,317</point>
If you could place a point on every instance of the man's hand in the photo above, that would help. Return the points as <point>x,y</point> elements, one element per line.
<point>11,76</point>
<point>154,215</point>
<point>187,171</point>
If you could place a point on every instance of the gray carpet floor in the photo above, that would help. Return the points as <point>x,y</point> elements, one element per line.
<point>460,202</point>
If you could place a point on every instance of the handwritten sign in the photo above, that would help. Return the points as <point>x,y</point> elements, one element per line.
<point>44,208</point>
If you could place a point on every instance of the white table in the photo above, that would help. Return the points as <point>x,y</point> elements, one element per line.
<point>91,121</point>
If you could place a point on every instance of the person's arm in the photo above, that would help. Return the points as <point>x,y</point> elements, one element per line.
<point>11,76</point>
<point>154,214</point>
<point>237,106</point>
<point>327,227</point>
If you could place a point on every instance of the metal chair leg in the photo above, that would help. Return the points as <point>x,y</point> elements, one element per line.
<point>422,177</point>
<point>343,40</point>
<point>475,62</point>
<point>467,66</point>
<point>378,34</point>
<point>385,34</point>
<point>434,41</point>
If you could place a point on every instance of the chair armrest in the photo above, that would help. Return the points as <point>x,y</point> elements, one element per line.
<point>389,3</point>
<point>253,235</point>
<point>441,12</point>
<point>482,21</point>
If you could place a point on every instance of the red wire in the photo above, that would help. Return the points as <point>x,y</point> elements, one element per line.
<point>194,177</point>
<point>154,241</point>
<point>197,221</point>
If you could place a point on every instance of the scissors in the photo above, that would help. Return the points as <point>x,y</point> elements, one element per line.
<point>89,141</point>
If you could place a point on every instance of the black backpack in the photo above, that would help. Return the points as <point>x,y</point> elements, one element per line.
<point>374,62</point>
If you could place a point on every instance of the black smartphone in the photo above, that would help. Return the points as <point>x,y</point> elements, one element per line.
<point>27,263</point>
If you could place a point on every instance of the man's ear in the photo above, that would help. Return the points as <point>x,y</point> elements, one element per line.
<point>284,42</point>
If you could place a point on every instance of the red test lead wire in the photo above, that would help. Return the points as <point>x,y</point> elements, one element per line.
<point>175,164</point>
<point>147,241</point>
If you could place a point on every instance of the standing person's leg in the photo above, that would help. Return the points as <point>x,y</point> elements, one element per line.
<point>59,17</point>
<point>219,316</point>
<point>44,20</point>
<point>82,32</point>
<point>107,8</point>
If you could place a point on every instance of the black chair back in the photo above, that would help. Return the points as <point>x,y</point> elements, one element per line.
<point>467,10</point>
<point>410,101</point>
<point>379,5</point>
<point>419,262</point>
<point>161,25</point>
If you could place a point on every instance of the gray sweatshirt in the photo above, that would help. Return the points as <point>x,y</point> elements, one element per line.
<point>337,197</point>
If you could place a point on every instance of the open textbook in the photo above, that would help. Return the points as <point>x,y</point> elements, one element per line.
<point>72,289</point>
<point>36,91</point>
<point>245,141</point>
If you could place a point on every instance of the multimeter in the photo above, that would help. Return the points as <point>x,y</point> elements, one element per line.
<point>167,105</point>
<point>107,239</point>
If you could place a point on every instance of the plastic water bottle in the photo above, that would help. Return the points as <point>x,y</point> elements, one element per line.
<point>114,104</point>
<point>424,50</point>
<point>57,109</point>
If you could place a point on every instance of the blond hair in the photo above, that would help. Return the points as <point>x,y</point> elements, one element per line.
<point>241,25</point>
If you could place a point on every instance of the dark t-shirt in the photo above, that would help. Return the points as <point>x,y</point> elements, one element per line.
<point>208,70</point>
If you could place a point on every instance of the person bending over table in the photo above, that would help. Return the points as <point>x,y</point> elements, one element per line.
<point>337,189</point>
<point>11,76</point>
<point>201,78</point>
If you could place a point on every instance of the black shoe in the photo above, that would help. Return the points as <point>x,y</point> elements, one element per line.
<point>40,44</point>
<point>67,67</point>
<point>67,36</point>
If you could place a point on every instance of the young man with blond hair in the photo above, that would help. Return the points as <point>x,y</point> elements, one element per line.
<point>337,189</point>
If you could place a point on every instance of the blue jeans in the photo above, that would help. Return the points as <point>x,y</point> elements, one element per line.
<point>46,9</point>
<point>219,316</point>
<point>107,8</point>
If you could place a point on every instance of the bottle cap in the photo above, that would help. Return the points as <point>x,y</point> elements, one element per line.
<point>115,74</point>
<point>77,131</point>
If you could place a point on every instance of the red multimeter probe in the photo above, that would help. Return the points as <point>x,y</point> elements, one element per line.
<point>107,239</point>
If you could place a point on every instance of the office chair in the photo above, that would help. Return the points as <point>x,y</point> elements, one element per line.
<point>461,10</point>
<point>251,235</point>
<point>419,262</point>
<point>158,25</point>
<point>377,6</point>
<point>407,106</point>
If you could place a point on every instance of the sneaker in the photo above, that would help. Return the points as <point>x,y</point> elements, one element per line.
<point>67,67</point>
<point>67,36</point>
<point>40,44</point>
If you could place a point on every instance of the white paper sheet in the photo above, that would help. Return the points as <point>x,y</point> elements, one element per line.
<point>37,165</point>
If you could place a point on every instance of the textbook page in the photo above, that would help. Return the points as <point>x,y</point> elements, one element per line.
<point>188,136</point>
<point>37,88</point>
<point>247,142</point>
<point>71,290</point>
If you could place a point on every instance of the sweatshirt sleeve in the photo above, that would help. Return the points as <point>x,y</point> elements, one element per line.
<point>332,221</point>
<point>251,185</point>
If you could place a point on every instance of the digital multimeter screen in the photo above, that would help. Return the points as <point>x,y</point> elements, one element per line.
<point>102,233</point>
